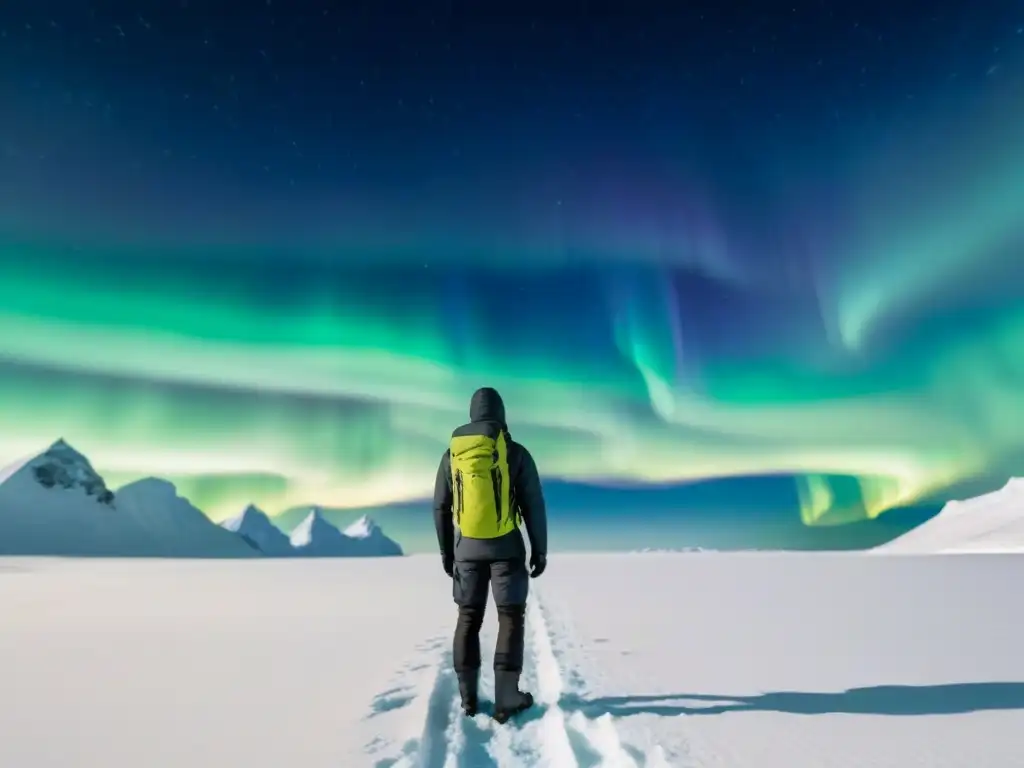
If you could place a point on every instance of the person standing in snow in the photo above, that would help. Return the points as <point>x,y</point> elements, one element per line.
<point>486,485</point>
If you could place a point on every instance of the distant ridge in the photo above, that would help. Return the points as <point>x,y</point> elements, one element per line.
<point>993,522</point>
<point>55,503</point>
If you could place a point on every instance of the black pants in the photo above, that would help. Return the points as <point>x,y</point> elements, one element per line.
<point>510,584</point>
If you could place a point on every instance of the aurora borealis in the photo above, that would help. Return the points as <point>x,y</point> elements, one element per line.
<point>271,260</point>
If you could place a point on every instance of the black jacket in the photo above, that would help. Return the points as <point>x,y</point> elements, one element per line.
<point>527,495</point>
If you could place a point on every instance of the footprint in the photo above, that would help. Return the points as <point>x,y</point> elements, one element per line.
<point>389,701</point>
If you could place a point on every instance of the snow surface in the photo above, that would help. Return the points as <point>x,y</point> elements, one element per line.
<point>990,523</point>
<point>761,660</point>
<point>254,525</point>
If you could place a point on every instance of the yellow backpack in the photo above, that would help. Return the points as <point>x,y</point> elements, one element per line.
<point>481,485</point>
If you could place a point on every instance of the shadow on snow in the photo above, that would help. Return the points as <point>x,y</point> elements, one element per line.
<point>957,698</point>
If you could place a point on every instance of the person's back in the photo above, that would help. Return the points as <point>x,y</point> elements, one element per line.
<point>486,484</point>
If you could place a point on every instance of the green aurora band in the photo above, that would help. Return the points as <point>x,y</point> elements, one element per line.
<point>223,372</point>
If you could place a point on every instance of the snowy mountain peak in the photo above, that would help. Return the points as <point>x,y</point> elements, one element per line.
<point>256,528</point>
<point>62,467</point>
<point>371,538</point>
<point>174,524</point>
<point>363,528</point>
<point>251,516</point>
<point>313,528</point>
<point>62,450</point>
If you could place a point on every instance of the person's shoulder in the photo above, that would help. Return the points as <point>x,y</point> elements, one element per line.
<point>518,451</point>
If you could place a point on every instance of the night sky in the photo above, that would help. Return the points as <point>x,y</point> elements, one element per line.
<point>268,249</point>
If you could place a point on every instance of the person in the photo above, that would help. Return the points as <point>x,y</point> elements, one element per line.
<point>486,484</point>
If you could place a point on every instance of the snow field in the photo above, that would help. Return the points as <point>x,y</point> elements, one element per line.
<point>768,660</point>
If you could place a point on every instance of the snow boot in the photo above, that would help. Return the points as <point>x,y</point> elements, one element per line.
<point>469,680</point>
<point>508,699</point>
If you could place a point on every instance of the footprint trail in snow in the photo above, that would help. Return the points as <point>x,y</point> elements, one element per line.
<point>551,734</point>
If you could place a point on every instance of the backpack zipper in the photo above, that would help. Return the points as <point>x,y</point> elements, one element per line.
<point>458,495</point>
<point>496,484</point>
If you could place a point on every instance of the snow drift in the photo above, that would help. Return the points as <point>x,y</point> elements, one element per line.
<point>990,523</point>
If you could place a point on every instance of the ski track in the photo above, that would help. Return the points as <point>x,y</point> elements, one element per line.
<point>550,735</point>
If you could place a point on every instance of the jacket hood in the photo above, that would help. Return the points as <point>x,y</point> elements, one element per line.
<point>487,405</point>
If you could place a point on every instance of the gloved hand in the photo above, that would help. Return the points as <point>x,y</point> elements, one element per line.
<point>538,562</point>
<point>448,563</point>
